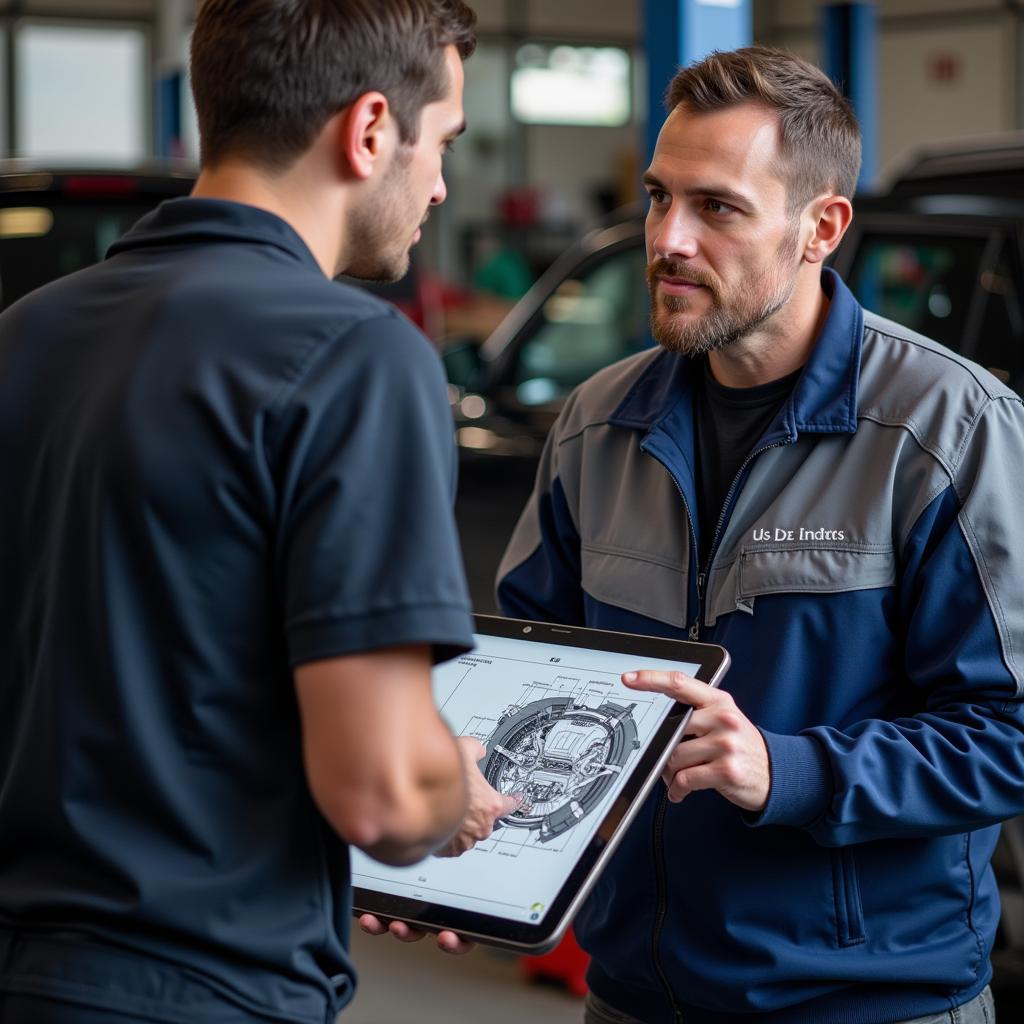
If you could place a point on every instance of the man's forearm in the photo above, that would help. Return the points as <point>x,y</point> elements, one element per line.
<point>430,814</point>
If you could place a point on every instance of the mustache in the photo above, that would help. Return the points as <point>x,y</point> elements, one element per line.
<point>677,270</point>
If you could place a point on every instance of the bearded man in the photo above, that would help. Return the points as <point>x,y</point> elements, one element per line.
<point>835,500</point>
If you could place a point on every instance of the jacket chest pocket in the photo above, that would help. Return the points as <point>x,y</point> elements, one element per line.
<point>759,570</point>
<point>813,570</point>
<point>645,584</point>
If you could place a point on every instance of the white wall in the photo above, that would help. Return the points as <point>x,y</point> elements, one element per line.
<point>946,68</point>
<point>565,164</point>
<point>918,105</point>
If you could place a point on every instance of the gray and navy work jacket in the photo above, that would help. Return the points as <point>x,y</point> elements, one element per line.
<point>867,577</point>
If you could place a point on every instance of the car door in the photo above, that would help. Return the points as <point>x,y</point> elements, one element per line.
<point>588,311</point>
<point>956,279</point>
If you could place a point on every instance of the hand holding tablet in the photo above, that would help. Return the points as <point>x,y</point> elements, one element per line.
<point>577,748</point>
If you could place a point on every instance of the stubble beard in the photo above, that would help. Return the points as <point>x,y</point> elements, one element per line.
<point>725,323</point>
<point>378,232</point>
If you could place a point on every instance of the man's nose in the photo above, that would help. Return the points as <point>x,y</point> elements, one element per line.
<point>440,192</point>
<point>674,235</point>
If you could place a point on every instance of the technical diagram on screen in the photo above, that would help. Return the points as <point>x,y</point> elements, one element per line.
<point>561,757</point>
<point>580,750</point>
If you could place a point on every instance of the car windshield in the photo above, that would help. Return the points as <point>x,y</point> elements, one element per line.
<point>924,282</point>
<point>594,318</point>
<point>45,239</point>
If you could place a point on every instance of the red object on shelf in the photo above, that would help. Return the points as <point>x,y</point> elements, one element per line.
<point>520,207</point>
<point>566,963</point>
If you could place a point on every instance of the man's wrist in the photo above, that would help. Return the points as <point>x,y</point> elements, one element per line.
<point>801,781</point>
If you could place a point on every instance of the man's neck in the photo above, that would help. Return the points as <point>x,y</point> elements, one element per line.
<point>300,204</point>
<point>779,347</point>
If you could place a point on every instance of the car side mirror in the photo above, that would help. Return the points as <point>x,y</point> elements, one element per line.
<point>463,364</point>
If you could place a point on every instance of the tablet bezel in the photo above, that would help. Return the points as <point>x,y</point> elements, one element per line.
<point>539,937</point>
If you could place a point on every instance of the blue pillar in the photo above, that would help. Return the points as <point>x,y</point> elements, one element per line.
<point>168,114</point>
<point>173,20</point>
<point>679,32</point>
<point>848,37</point>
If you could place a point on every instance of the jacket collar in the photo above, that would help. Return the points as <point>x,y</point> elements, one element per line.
<point>824,399</point>
<point>189,220</point>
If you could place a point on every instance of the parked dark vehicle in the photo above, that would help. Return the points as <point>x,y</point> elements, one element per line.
<point>53,222</point>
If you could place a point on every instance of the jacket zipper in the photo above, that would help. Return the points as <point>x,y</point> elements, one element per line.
<point>662,903</point>
<point>723,515</point>
<point>660,877</point>
<point>661,907</point>
<point>693,633</point>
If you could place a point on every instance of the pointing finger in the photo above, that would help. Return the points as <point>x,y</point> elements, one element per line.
<point>677,685</point>
<point>509,804</point>
<point>473,747</point>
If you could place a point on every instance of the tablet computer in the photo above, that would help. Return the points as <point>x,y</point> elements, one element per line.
<point>583,751</point>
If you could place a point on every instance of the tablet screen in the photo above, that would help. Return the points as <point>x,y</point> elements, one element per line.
<point>562,732</point>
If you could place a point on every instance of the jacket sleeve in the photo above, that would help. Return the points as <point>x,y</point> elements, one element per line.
<point>958,764</point>
<point>539,576</point>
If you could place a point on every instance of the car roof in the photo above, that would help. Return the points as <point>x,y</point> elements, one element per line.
<point>987,165</point>
<point>155,178</point>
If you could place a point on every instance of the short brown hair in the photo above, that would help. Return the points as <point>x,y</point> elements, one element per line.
<point>267,75</point>
<point>819,134</point>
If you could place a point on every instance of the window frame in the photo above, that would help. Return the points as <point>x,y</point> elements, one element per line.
<point>991,231</point>
<point>13,26</point>
<point>501,351</point>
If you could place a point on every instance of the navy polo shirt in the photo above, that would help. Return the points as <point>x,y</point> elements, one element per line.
<point>215,464</point>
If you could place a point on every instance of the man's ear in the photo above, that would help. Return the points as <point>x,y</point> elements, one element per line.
<point>364,133</point>
<point>830,217</point>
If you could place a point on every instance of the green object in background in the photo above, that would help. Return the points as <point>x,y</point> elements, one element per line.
<point>505,273</point>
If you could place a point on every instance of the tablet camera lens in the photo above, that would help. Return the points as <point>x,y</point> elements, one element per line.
<point>527,629</point>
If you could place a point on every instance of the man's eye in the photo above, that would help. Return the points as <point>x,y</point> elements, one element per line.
<point>657,196</point>
<point>716,206</point>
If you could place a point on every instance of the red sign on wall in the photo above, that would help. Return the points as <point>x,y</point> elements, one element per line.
<point>945,68</point>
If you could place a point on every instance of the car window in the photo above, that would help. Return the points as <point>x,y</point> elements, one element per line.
<point>591,320</point>
<point>924,282</point>
<point>40,242</point>
<point>1000,344</point>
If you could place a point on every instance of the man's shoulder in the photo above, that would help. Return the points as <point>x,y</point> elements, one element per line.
<point>297,290</point>
<point>921,363</point>
<point>595,400</point>
<point>909,380</point>
<point>285,322</point>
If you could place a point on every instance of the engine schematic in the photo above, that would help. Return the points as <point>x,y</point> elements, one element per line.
<point>561,757</point>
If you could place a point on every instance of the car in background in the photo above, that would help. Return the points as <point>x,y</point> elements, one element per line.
<point>53,222</point>
<point>940,252</point>
<point>587,310</point>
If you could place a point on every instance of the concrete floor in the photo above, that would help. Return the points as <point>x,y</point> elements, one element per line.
<point>417,984</point>
<point>400,984</point>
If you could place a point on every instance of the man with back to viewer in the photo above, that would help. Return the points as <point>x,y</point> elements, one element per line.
<point>228,553</point>
<point>835,500</point>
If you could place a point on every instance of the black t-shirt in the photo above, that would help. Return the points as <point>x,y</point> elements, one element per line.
<point>730,421</point>
<point>216,464</point>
